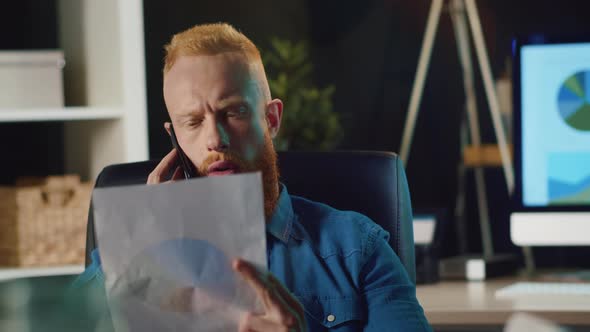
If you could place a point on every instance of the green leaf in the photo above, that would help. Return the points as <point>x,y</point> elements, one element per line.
<point>309,120</point>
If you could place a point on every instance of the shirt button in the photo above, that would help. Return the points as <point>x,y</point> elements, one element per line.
<point>331,318</point>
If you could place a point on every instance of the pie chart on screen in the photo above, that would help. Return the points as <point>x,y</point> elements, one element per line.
<point>573,100</point>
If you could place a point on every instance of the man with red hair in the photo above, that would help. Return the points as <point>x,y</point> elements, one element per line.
<point>329,269</point>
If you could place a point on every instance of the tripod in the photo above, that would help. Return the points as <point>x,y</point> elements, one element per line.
<point>463,12</point>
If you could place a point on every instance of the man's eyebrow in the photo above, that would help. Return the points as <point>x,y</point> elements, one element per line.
<point>189,112</point>
<point>192,111</point>
<point>230,101</point>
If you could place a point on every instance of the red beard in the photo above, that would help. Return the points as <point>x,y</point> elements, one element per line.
<point>266,162</point>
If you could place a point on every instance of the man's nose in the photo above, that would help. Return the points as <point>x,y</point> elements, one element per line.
<point>217,139</point>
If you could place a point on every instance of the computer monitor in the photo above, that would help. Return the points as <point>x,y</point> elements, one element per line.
<point>551,141</point>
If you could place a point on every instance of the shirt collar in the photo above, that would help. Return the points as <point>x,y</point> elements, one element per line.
<point>281,222</point>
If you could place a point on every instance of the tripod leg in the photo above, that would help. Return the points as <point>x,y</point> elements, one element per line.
<point>465,56</point>
<point>460,208</point>
<point>484,64</point>
<point>464,51</point>
<point>418,87</point>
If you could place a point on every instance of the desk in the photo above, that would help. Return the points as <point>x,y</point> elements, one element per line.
<point>462,303</point>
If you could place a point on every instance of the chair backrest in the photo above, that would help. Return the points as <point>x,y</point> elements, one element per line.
<point>371,183</point>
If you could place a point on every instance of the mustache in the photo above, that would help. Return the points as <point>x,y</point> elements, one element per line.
<point>230,156</point>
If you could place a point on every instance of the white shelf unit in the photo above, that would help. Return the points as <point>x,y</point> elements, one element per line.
<point>25,272</point>
<point>103,43</point>
<point>105,120</point>
<point>60,114</point>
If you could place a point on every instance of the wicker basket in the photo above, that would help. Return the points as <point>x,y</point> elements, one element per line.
<point>43,221</point>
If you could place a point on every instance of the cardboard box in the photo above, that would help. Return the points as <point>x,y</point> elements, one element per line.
<point>31,79</point>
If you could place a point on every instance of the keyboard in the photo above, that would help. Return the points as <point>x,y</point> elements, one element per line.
<point>523,289</point>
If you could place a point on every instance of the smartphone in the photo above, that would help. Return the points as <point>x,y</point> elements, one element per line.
<point>187,167</point>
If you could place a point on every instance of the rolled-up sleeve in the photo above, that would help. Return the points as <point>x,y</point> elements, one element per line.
<point>387,290</point>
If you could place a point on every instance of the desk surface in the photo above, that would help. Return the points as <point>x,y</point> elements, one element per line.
<point>474,303</point>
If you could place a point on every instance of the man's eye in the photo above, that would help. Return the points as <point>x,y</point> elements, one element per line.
<point>194,123</point>
<point>237,112</point>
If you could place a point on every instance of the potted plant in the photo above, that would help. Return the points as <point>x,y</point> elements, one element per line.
<point>309,121</point>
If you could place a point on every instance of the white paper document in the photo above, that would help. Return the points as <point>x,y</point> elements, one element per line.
<point>166,252</point>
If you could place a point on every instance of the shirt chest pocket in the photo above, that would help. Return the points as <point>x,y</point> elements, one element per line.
<point>325,313</point>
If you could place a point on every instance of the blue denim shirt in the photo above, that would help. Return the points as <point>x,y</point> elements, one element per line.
<point>338,264</point>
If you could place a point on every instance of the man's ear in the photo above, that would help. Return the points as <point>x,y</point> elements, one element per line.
<point>274,114</point>
<point>167,127</point>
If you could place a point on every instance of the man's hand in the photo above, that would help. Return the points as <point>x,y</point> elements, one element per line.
<point>158,175</point>
<point>282,312</point>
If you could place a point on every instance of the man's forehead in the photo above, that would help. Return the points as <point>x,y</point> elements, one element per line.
<point>211,77</point>
<point>229,66</point>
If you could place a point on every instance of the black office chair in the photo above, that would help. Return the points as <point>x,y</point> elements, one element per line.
<point>372,183</point>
